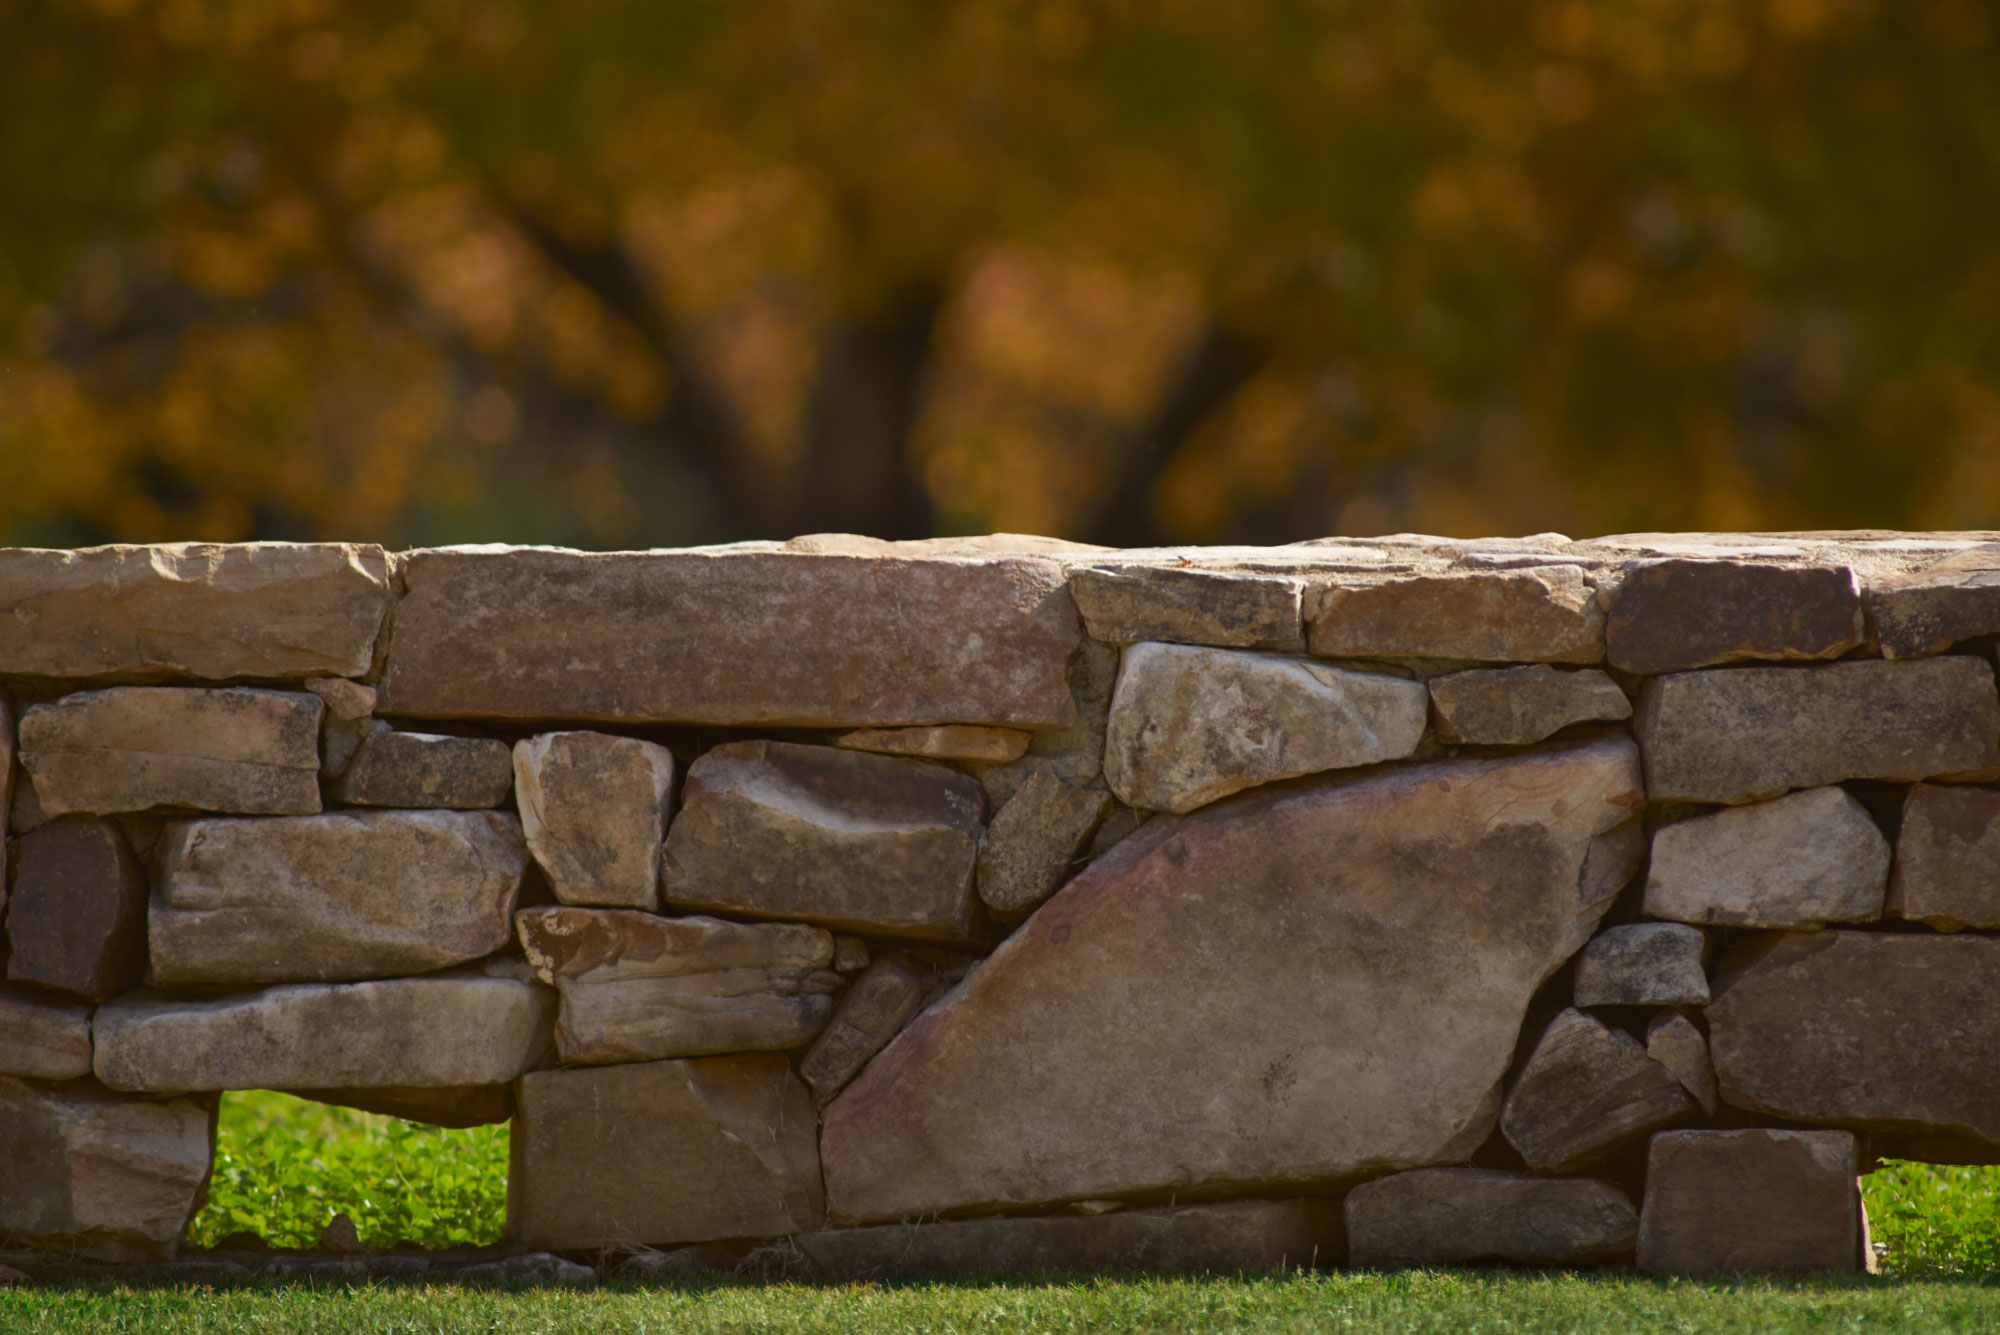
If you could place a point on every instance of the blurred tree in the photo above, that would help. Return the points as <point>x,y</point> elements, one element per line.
<point>631,271</point>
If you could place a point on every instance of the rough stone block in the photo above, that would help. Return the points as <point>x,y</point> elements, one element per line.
<point>1190,725</point>
<point>1804,860</point>
<point>331,898</point>
<point>1282,944</point>
<point>732,637</point>
<point>1225,608</point>
<point>43,1038</point>
<point>1672,615</point>
<point>1540,614</point>
<point>1214,1239</point>
<point>1587,1090</point>
<point>950,741</point>
<point>1863,1030</point>
<point>416,769</point>
<point>250,752</point>
<point>459,1106</point>
<point>1674,1042</point>
<point>1749,733</point>
<point>76,915</point>
<point>874,1010</point>
<point>1519,705</point>
<point>1033,840</point>
<point>869,843</point>
<point>1643,964</point>
<point>348,701</point>
<point>636,987</point>
<point>1947,870</point>
<point>1453,1216</point>
<point>595,809</point>
<point>1927,611</point>
<point>447,1029</point>
<point>1729,1202</point>
<point>1074,752</point>
<point>111,1179</point>
<point>265,610</point>
<point>664,1152</point>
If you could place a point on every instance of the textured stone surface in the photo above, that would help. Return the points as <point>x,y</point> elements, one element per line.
<point>1727,1202</point>
<point>1947,870</point>
<point>129,748</point>
<point>850,954</point>
<point>1519,705</point>
<point>340,739</point>
<point>416,769</point>
<point>636,987</point>
<point>113,1179</point>
<point>1224,1000</point>
<point>1451,1216</point>
<point>875,844</point>
<point>1672,615</point>
<point>43,1038</point>
<point>1541,614</point>
<point>1218,1239</point>
<point>1927,611</point>
<point>7,735</point>
<point>449,1029</point>
<point>874,1010</point>
<point>455,1106</point>
<point>595,810</point>
<point>348,701</point>
<point>269,610</point>
<point>1804,860</point>
<point>949,741</point>
<point>1076,751</point>
<point>76,917</point>
<point>1190,725</point>
<point>1863,1030</point>
<point>1033,840</point>
<point>1226,608</point>
<point>662,1152</point>
<point>335,897</point>
<point>1749,733</point>
<point>732,637</point>
<point>1643,964</point>
<point>1674,1042</point>
<point>1587,1090</point>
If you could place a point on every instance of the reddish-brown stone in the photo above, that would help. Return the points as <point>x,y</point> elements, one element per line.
<point>1672,615</point>
<point>76,919</point>
<point>1726,1202</point>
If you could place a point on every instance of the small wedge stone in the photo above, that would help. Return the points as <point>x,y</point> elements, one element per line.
<point>1453,1216</point>
<point>1586,1091</point>
<point>946,742</point>
<point>1947,870</point>
<point>346,700</point>
<point>1033,840</point>
<point>76,918</point>
<point>1643,964</point>
<point>1516,706</point>
<point>1804,860</point>
<point>1674,1042</point>
<point>595,807</point>
<point>1229,609</point>
<point>43,1038</point>
<point>415,769</point>
<point>1767,1200</point>
<point>879,1004</point>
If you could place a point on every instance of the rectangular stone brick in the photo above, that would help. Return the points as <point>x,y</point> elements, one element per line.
<point>1729,1202</point>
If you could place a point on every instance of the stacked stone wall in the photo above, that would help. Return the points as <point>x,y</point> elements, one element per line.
<point>1001,904</point>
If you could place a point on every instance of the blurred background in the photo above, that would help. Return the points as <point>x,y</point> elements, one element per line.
<point>617,273</point>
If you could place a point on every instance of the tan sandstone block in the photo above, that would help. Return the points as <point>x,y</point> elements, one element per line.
<point>1516,706</point>
<point>1954,599</point>
<point>1728,1202</point>
<point>1804,860</point>
<point>1454,1216</point>
<point>595,809</point>
<point>1033,840</point>
<point>1540,614</point>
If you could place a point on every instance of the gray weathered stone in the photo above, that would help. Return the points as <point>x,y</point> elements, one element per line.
<point>637,987</point>
<point>1750,733</point>
<point>1229,609</point>
<point>950,741</point>
<point>731,637</point>
<point>1033,840</point>
<point>595,810</point>
<point>113,1179</point>
<point>1190,725</point>
<point>43,1038</point>
<point>348,701</point>
<point>1804,860</point>
<point>1539,614</point>
<point>76,914</point>
<point>1672,615</point>
<point>1452,1216</point>
<point>533,1270</point>
<point>664,1152</point>
<point>1727,1202</point>
<point>1075,752</point>
<point>1947,870</point>
<point>1674,1042</point>
<point>875,844</point>
<point>874,1010</point>
<point>1586,1091</point>
<point>441,1105</point>
<point>1927,611</point>
<point>447,1029</point>
<point>1519,705</point>
<point>264,610</point>
<point>1863,1030</point>
<point>7,734</point>
<point>1290,947</point>
<point>416,769</point>
<point>331,898</point>
<point>1217,1239</point>
<point>1643,964</point>
<point>129,748</point>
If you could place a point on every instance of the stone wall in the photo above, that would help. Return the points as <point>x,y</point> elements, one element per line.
<point>1000,904</point>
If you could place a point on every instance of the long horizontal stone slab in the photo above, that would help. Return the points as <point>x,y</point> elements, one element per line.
<point>1451,1216</point>
<point>272,611</point>
<point>443,1030</point>
<point>731,637</point>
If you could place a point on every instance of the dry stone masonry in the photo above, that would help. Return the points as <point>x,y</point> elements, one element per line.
<point>1006,905</point>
